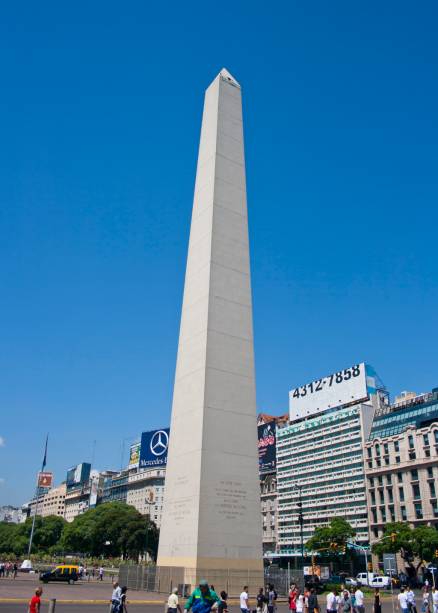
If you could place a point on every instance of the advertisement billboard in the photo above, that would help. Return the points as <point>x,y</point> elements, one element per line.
<point>45,480</point>
<point>153,448</point>
<point>266,444</point>
<point>134,455</point>
<point>339,388</point>
<point>78,474</point>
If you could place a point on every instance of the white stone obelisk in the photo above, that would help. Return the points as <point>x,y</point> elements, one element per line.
<point>211,515</point>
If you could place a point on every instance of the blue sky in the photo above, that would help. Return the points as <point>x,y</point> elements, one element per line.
<point>100,115</point>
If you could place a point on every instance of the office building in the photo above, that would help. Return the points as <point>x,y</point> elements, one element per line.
<point>320,455</point>
<point>401,463</point>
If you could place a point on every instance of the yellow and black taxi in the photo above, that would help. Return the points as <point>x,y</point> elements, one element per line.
<point>64,572</point>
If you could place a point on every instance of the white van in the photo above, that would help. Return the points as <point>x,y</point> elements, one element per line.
<point>373,580</point>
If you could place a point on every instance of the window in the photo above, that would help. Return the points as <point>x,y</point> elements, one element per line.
<point>373,498</point>
<point>427,452</point>
<point>432,489</point>
<point>412,454</point>
<point>435,434</point>
<point>414,474</point>
<point>397,459</point>
<point>374,513</point>
<point>369,452</point>
<point>376,533</point>
<point>390,495</point>
<point>381,497</point>
<point>383,513</point>
<point>426,440</point>
<point>403,513</point>
<point>430,472</point>
<point>389,479</point>
<point>418,510</point>
<point>378,462</point>
<point>371,480</point>
<point>391,512</point>
<point>416,491</point>
<point>396,446</point>
<point>411,441</point>
<point>435,508</point>
<point>400,477</point>
<point>380,480</point>
<point>386,460</point>
<point>401,494</point>
<point>377,449</point>
<point>385,448</point>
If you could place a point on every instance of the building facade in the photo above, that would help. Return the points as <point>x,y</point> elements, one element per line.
<point>145,491</point>
<point>320,461</point>
<point>401,463</point>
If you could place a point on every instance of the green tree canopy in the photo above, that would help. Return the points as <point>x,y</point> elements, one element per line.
<point>111,529</point>
<point>14,538</point>
<point>333,537</point>
<point>415,545</point>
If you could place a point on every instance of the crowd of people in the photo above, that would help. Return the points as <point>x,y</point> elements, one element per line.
<point>9,569</point>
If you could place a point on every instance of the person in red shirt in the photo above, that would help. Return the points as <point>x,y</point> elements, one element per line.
<point>35,603</point>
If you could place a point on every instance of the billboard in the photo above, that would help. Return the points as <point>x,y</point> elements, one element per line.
<point>45,480</point>
<point>266,444</point>
<point>339,388</point>
<point>153,448</point>
<point>134,455</point>
<point>78,474</point>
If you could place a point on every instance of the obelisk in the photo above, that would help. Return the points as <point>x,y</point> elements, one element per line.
<point>211,515</point>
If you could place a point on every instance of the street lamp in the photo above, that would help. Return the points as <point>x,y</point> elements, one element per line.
<point>300,521</point>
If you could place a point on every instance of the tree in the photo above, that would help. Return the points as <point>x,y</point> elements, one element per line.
<point>111,529</point>
<point>332,538</point>
<point>415,545</point>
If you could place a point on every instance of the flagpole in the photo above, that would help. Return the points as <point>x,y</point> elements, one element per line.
<point>37,498</point>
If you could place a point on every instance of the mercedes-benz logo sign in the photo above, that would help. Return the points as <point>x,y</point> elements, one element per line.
<point>159,442</point>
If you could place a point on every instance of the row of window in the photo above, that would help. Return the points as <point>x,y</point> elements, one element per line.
<point>416,494</point>
<point>414,477</point>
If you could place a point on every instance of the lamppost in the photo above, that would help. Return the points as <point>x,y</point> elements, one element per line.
<point>300,521</point>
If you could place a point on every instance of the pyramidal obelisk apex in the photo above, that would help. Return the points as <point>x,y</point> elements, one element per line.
<point>211,515</point>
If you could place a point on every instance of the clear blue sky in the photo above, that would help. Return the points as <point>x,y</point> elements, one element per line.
<point>100,112</point>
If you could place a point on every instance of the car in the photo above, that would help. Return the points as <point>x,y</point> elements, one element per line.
<point>65,572</point>
<point>350,582</point>
<point>380,581</point>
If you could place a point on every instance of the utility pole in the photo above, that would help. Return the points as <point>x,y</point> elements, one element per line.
<point>301,522</point>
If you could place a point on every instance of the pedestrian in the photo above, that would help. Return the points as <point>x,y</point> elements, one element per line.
<point>312,601</point>
<point>332,602</point>
<point>293,598</point>
<point>244,600</point>
<point>272,598</point>
<point>173,602</point>
<point>2,569</point>
<point>377,601</point>
<point>299,602</point>
<point>403,601</point>
<point>345,602</point>
<point>412,605</point>
<point>425,606</point>
<point>202,599</point>
<point>115,598</point>
<point>15,570</point>
<point>223,605</point>
<point>101,573</point>
<point>35,602</point>
<point>261,601</point>
<point>435,599</point>
<point>122,607</point>
<point>358,600</point>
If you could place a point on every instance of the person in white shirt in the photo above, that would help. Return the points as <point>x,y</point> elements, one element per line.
<point>300,602</point>
<point>173,603</point>
<point>403,601</point>
<point>411,601</point>
<point>358,605</point>
<point>244,607</point>
<point>332,605</point>
<point>435,599</point>
<point>116,597</point>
